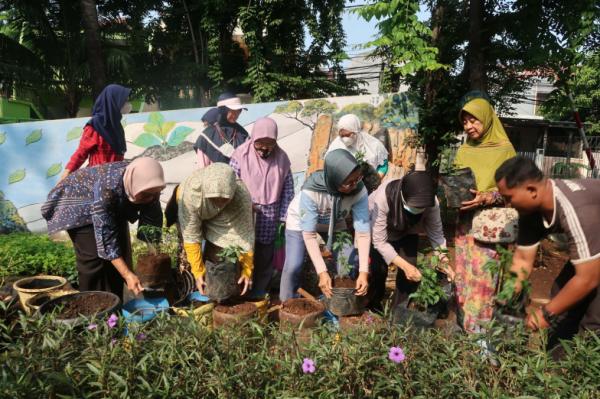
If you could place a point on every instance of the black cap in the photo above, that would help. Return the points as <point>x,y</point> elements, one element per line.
<point>418,190</point>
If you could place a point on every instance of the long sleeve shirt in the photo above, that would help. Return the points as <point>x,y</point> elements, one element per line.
<point>382,235</point>
<point>94,147</point>
<point>269,216</point>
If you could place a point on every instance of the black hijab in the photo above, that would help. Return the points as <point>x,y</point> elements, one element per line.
<point>219,133</point>
<point>417,190</point>
<point>106,116</point>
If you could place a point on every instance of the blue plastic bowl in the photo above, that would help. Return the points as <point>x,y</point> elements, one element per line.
<point>141,310</point>
<point>196,296</point>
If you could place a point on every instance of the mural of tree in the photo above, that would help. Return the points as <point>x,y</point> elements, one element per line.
<point>307,113</point>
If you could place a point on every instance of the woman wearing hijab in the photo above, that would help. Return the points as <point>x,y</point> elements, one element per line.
<point>217,142</point>
<point>353,139</point>
<point>486,148</point>
<point>265,169</point>
<point>103,138</point>
<point>210,117</point>
<point>214,206</point>
<point>328,196</point>
<point>400,208</point>
<point>94,205</point>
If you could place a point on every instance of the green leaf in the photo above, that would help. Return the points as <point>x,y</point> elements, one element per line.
<point>54,170</point>
<point>156,118</point>
<point>179,135</point>
<point>16,176</point>
<point>147,140</point>
<point>2,137</point>
<point>33,137</point>
<point>74,133</point>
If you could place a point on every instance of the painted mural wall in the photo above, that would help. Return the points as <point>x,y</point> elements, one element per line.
<point>33,154</point>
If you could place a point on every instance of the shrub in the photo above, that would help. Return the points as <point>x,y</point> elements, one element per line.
<point>29,254</point>
<point>179,358</point>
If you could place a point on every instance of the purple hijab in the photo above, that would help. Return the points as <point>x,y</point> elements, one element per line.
<point>106,116</point>
<point>263,177</point>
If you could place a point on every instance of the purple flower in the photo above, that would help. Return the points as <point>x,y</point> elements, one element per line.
<point>396,354</point>
<point>140,337</point>
<point>92,326</point>
<point>113,341</point>
<point>308,366</point>
<point>112,320</point>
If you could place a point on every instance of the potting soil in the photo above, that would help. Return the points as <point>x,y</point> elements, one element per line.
<point>154,270</point>
<point>37,284</point>
<point>301,308</point>
<point>86,305</point>
<point>344,282</point>
<point>236,309</point>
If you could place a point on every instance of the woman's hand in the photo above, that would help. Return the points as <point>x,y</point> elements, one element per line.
<point>325,284</point>
<point>412,273</point>
<point>133,283</point>
<point>247,284</point>
<point>201,285</point>
<point>362,283</point>
<point>481,199</point>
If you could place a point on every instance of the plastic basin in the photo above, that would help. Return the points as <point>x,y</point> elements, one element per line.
<point>142,310</point>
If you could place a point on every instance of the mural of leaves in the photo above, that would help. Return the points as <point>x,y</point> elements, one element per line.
<point>53,170</point>
<point>156,118</point>
<point>165,129</point>
<point>146,140</point>
<point>2,137</point>
<point>16,176</point>
<point>74,133</point>
<point>33,137</point>
<point>179,135</point>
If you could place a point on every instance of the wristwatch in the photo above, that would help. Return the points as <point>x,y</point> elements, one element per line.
<point>551,318</point>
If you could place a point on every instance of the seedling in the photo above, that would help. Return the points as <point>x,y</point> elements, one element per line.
<point>429,292</point>
<point>230,254</point>
<point>342,241</point>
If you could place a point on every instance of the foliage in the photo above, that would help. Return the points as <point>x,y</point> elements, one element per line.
<point>429,292</point>
<point>584,86</point>
<point>364,111</point>
<point>341,244</point>
<point>179,358</point>
<point>155,240</point>
<point>25,254</point>
<point>160,132</point>
<point>568,170</point>
<point>402,40</point>
<point>231,254</point>
<point>507,279</point>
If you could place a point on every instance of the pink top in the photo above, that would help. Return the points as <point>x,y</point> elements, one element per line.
<point>381,235</point>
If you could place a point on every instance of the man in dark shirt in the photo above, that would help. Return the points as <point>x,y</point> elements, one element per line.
<point>546,206</point>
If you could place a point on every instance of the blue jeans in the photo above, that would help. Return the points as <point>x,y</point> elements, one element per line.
<point>295,250</point>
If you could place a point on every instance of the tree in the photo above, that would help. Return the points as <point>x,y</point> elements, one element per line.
<point>93,45</point>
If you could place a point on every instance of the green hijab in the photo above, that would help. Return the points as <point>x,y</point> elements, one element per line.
<point>339,164</point>
<point>484,156</point>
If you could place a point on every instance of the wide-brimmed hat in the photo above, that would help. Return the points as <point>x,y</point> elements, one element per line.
<point>230,101</point>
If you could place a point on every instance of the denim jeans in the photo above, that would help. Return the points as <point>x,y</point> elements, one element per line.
<point>295,251</point>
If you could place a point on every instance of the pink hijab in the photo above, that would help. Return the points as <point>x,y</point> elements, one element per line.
<point>263,177</point>
<point>142,174</point>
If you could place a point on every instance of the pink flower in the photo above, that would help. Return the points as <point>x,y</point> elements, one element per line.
<point>92,326</point>
<point>396,355</point>
<point>308,366</point>
<point>112,320</point>
<point>113,341</point>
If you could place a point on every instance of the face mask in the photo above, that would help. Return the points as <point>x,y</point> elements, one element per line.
<point>127,107</point>
<point>264,154</point>
<point>349,141</point>
<point>414,211</point>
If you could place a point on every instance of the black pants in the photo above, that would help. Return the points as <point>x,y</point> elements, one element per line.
<point>406,248</point>
<point>95,273</point>
<point>584,316</point>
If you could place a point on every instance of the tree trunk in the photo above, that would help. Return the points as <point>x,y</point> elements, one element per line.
<point>91,27</point>
<point>476,63</point>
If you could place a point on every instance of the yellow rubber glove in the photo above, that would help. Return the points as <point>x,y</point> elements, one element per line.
<point>247,262</point>
<point>193,252</point>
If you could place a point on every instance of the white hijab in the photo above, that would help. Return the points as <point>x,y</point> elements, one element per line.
<point>374,152</point>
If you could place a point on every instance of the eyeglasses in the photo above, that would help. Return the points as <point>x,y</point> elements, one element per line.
<point>351,184</point>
